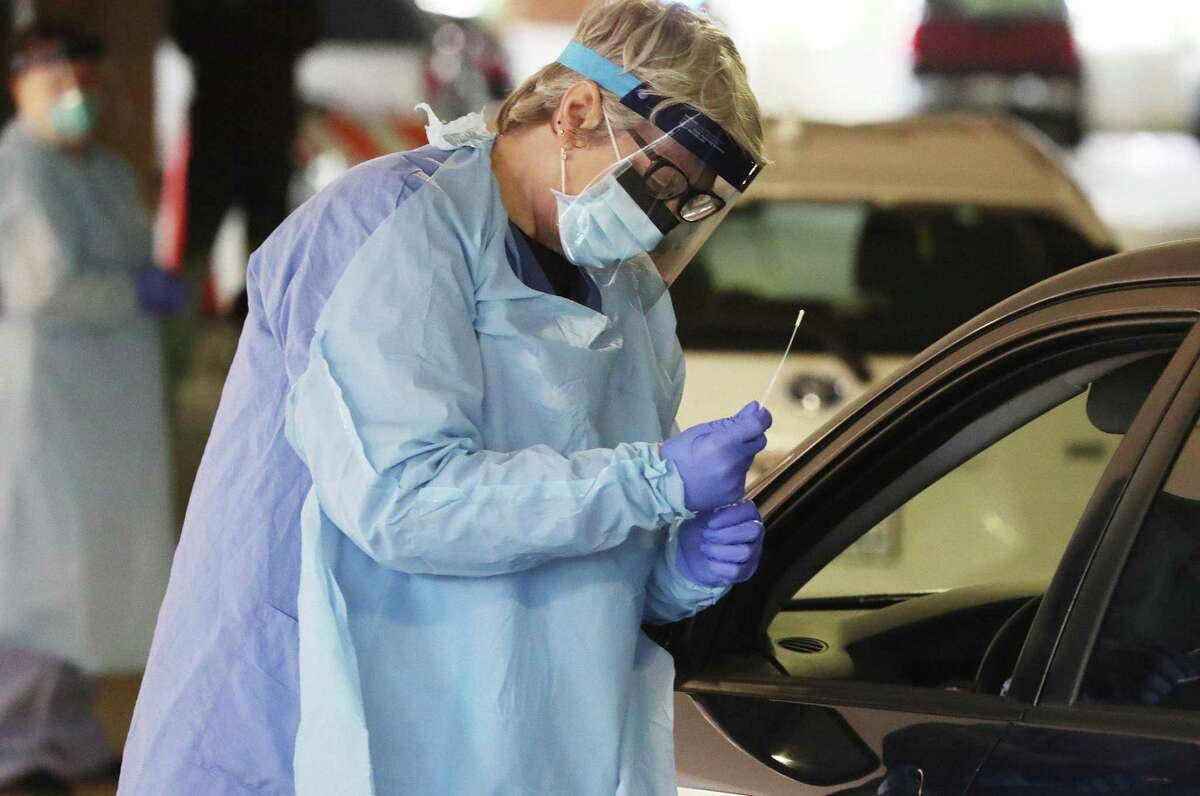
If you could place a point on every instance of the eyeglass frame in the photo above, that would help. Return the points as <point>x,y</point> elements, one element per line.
<point>658,162</point>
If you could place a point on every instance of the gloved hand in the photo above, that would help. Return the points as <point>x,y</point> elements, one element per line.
<point>713,458</point>
<point>161,293</point>
<point>722,547</point>
<point>1138,674</point>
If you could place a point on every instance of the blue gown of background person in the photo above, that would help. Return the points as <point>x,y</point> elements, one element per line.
<point>85,510</point>
<point>485,517</point>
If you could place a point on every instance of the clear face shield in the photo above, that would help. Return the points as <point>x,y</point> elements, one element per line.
<point>684,177</point>
<point>684,196</point>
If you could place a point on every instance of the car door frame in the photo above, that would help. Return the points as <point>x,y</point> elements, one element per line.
<point>1056,704</point>
<point>1143,306</point>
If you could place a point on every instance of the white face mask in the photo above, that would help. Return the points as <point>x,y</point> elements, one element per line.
<point>602,226</point>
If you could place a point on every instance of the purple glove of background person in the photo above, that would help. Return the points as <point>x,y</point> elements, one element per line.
<point>713,458</point>
<point>161,293</point>
<point>722,547</point>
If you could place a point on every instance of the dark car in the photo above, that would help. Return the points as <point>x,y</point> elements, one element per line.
<point>836,669</point>
<point>1017,56</point>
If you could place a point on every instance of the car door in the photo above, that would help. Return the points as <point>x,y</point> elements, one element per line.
<point>865,654</point>
<point>1118,709</point>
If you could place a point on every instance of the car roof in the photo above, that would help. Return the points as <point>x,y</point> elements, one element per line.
<point>1175,263</point>
<point>933,159</point>
<point>1166,263</point>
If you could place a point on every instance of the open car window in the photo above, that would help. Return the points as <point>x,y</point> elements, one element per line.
<point>932,578</point>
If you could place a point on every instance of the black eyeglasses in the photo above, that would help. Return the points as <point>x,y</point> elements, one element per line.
<point>665,182</point>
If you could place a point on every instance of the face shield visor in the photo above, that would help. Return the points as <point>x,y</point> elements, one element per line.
<point>685,174</point>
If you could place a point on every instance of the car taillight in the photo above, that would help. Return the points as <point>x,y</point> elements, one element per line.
<point>433,83</point>
<point>962,45</point>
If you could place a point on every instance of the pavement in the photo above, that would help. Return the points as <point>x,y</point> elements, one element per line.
<point>115,697</point>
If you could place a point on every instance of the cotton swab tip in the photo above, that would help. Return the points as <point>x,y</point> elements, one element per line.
<point>779,367</point>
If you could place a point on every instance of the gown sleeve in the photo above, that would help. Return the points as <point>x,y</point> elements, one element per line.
<point>670,596</point>
<point>387,417</point>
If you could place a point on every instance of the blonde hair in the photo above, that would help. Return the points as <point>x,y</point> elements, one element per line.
<point>682,55</point>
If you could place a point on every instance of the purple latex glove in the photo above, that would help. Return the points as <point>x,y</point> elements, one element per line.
<point>722,547</point>
<point>161,293</point>
<point>1139,674</point>
<point>713,458</point>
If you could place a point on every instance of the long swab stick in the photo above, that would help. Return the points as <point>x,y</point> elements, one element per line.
<point>779,367</point>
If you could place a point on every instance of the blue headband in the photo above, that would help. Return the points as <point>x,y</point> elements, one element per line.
<point>595,66</point>
<point>703,137</point>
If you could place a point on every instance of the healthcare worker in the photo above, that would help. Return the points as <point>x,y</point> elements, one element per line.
<point>437,503</point>
<point>85,515</point>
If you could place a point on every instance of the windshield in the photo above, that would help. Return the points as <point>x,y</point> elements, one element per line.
<point>873,279</point>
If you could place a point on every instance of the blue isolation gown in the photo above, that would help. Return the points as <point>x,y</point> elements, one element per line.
<point>430,521</point>
<point>85,509</point>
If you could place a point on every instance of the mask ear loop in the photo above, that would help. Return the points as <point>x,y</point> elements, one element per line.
<point>562,155</point>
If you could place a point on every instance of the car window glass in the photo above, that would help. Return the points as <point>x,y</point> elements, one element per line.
<point>768,246</point>
<point>873,279</point>
<point>932,544</point>
<point>1148,652</point>
<point>941,593</point>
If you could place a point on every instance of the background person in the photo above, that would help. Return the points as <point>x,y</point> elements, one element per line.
<point>437,504</point>
<point>85,540</point>
<point>244,114</point>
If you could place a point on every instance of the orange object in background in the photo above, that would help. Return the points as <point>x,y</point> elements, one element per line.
<point>170,223</point>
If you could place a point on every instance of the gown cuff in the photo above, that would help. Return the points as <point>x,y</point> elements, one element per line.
<point>665,482</point>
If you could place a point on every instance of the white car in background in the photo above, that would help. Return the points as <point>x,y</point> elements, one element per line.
<point>889,236</point>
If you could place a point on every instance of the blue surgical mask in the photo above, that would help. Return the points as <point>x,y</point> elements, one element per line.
<point>602,226</point>
<point>74,115</point>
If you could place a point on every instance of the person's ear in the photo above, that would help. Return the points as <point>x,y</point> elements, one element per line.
<point>580,112</point>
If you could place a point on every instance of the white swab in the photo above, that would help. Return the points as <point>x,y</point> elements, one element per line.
<point>779,368</point>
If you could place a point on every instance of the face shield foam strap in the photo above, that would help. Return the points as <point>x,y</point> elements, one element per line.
<point>699,134</point>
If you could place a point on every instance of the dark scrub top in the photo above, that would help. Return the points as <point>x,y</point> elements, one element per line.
<point>544,269</point>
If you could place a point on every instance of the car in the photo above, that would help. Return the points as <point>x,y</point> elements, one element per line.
<point>889,235</point>
<point>1030,654</point>
<point>1017,56</point>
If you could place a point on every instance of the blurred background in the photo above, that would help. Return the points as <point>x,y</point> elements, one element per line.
<point>233,112</point>
<point>1119,89</point>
